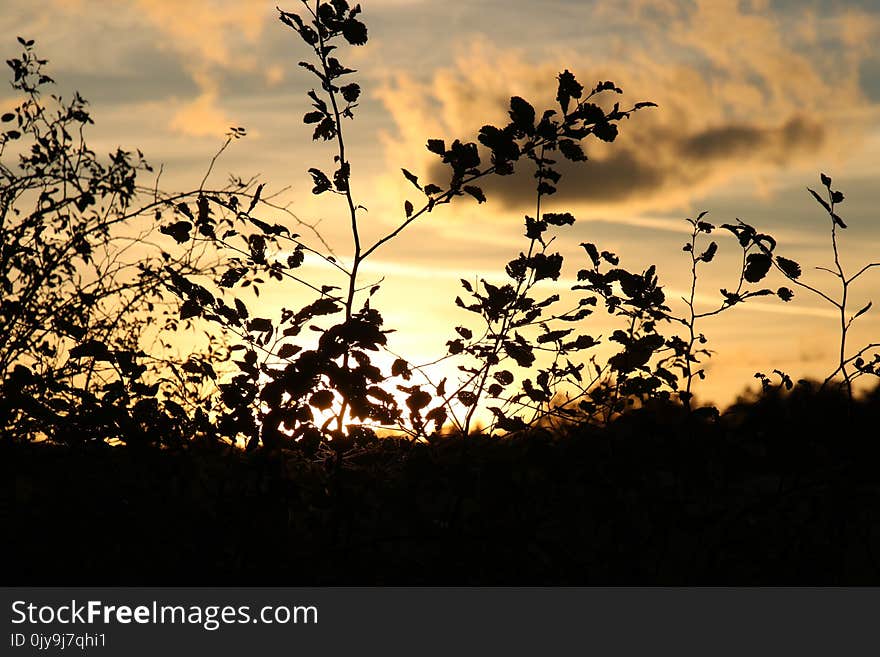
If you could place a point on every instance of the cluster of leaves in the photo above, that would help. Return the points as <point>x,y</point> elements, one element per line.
<point>517,326</point>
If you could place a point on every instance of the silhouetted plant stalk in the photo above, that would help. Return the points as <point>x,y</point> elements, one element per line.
<point>792,271</point>
<point>289,384</point>
<point>757,249</point>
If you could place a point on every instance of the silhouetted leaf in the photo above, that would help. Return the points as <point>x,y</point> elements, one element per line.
<point>190,308</point>
<point>559,219</point>
<point>412,178</point>
<point>340,177</point>
<point>785,294</point>
<point>863,310</point>
<point>568,88</point>
<point>313,117</point>
<point>522,115</point>
<point>789,267</point>
<point>257,245</point>
<point>325,130</point>
<point>437,415</point>
<point>730,298</point>
<point>581,342</point>
<point>605,131</point>
<point>462,157</point>
<point>407,209</point>
<point>401,368</point>
<point>351,92</point>
<point>476,192</point>
<point>757,266</point>
<point>546,266</point>
<point>259,325</point>
<point>322,400</point>
<point>572,150</point>
<point>592,251</point>
<point>609,257</point>
<point>178,230</point>
<point>535,229</point>
<point>503,377</point>
<point>417,400</point>
<point>820,200</point>
<point>546,188</point>
<point>308,35</point>
<point>553,336</point>
<point>709,253</point>
<point>183,208</point>
<point>591,113</point>
<point>92,349</point>
<point>521,353</point>
<point>322,182</point>
<point>296,258</point>
<point>608,85</point>
<point>287,350</point>
<point>437,146</point>
<point>354,32</point>
<point>256,198</point>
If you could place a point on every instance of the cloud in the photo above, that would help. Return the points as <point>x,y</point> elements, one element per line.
<point>744,93</point>
<point>210,39</point>
<point>203,116</point>
<point>208,31</point>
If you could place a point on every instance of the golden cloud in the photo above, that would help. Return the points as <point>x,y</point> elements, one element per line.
<point>211,36</point>
<point>203,116</point>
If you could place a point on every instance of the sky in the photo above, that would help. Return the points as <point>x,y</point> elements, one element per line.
<point>755,99</point>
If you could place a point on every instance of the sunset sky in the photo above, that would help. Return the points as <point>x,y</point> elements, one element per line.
<point>755,99</point>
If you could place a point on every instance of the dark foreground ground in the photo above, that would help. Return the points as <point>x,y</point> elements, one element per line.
<point>783,491</point>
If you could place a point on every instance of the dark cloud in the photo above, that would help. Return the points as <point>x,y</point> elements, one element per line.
<point>727,141</point>
<point>648,162</point>
<point>753,141</point>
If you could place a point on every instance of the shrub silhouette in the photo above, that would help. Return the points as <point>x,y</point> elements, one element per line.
<point>82,284</point>
<point>525,361</point>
